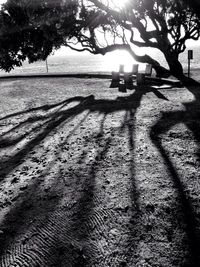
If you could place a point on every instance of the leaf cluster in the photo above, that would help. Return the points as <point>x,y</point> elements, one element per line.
<point>32,29</point>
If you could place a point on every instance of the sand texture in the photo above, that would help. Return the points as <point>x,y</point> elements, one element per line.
<point>90,176</point>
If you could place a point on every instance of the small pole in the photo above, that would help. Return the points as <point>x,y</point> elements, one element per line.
<point>190,56</point>
<point>188,67</point>
<point>47,65</point>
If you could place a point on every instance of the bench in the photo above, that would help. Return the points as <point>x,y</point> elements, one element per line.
<point>128,76</point>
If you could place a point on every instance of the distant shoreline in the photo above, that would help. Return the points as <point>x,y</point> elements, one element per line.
<point>99,64</point>
<point>100,74</point>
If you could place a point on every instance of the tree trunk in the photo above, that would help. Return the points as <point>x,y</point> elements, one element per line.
<point>175,66</point>
<point>160,71</point>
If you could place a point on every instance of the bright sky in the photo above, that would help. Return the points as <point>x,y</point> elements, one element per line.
<point>116,2</point>
<point>2,1</point>
<point>119,3</point>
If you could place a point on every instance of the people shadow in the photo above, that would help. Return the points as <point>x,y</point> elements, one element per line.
<point>190,117</point>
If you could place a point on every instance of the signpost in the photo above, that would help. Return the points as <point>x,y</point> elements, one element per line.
<point>190,56</point>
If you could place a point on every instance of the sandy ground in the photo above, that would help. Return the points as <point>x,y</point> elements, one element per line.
<point>90,176</point>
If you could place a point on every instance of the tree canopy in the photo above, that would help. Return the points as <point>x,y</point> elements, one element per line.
<point>165,25</point>
<point>34,28</point>
<point>195,5</point>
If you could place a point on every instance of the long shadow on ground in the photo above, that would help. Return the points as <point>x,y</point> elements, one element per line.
<point>58,229</point>
<point>190,117</point>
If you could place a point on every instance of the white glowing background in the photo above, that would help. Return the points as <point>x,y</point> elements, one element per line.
<point>118,3</point>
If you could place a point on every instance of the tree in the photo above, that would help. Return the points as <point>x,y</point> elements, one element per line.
<point>195,5</point>
<point>38,27</point>
<point>162,24</point>
<point>32,29</point>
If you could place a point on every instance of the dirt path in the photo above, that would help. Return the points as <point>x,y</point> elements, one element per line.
<point>93,177</point>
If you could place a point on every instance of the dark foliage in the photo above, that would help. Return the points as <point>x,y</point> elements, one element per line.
<point>33,29</point>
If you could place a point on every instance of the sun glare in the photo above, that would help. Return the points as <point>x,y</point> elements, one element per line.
<point>2,2</point>
<point>118,3</point>
<point>114,59</point>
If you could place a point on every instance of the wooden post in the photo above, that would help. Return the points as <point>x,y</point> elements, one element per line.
<point>115,79</point>
<point>47,65</point>
<point>135,69</point>
<point>121,68</point>
<point>128,81</point>
<point>140,78</point>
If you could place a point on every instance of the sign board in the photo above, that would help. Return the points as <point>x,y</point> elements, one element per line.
<point>190,54</point>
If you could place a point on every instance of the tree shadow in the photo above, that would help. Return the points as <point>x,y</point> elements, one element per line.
<point>25,203</point>
<point>52,121</point>
<point>39,127</point>
<point>86,217</point>
<point>129,125</point>
<point>190,117</point>
<point>44,107</point>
